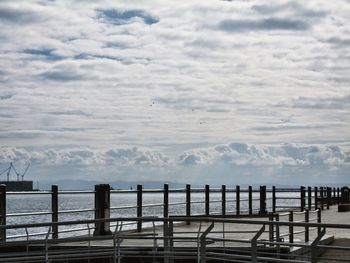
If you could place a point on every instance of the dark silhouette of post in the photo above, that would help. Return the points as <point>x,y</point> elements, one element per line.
<point>102,209</point>
<point>207,200</point>
<point>54,209</point>
<point>302,198</point>
<point>139,207</point>
<point>345,195</point>
<point>329,197</point>
<point>309,198</point>
<point>166,201</point>
<point>250,199</point>
<point>322,197</point>
<point>3,212</point>
<point>316,197</point>
<point>262,210</point>
<point>319,220</point>
<point>188,202</point>
<point>223,200</point>
<point>238,199</point>
<point>307,219</point>
<point>273,199</point>
<point>291,228</point>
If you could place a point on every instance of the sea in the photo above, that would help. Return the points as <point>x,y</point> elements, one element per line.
<point>35,203</point>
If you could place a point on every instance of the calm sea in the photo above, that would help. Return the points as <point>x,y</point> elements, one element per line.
<point>42,203</point>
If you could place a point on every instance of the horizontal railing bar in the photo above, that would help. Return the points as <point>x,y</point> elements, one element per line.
<point>29,193</point>
<point>152,205</point>
<point>29,214</point>
<point>177,203</point>
<point>29,235</point>
<point>75,229</point>
<point>123,207</point>
<point>299,213</point>
<point>75,192</point>
<point>179,219</point>
<point>297,207</point>
<point>75,211</point>
<point>122,191</point>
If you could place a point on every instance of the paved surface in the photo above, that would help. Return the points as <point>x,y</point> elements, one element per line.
<point>243,233</point>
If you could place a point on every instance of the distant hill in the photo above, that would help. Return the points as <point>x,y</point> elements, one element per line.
<point>89,185</point>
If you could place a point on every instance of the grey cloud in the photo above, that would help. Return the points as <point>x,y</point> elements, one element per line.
<point>17,15</point>
<point>119,17</point>
<point>70,112</point>
<point>264,24</point>
<point>338,41</point>
<point>287,127</point>
<point>63,73</point>
<point>199,103</point>
<point>6,96</point>
<point>43,53</point>
<point>297,9</point>
<point>339,102</point>
<point>61,76</point>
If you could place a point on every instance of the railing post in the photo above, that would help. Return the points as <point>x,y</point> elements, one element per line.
<point>307,219</point>
<point>319,219</point>
<point>207,200</point>
<point>278,239</point>
<point>273,199</point>
<point>322,197</point>
<point>271,229</point>
<point>345,195</point>
<point>254,247</point>
<point>250,199</point>
<point>313,246</point>
<point>223,200</point>
<point>316,197</point>
<point>302,198</point>
<point>334,198</point>
<point>166,242</point>
<point>238,197</point>
<point>166,201</point>
<point>291,228</point>
<point>338,195</point>
<point>202,240</point>
<point>262,200</point>
<point>102,209</point>
<point>188,202</point>
<point>309,198</point>
<point>329,197</point>
<point>3,212</point>
<point>139,207</point>
<point>54,210</point>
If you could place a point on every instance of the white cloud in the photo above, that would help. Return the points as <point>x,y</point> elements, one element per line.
<point>266,155</point>
<point>238,163</point>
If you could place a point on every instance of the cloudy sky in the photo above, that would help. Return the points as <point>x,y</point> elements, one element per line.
<point>186,91</point>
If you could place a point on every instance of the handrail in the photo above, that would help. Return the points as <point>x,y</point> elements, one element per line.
<point>179,219</point>
<point>29,214</point>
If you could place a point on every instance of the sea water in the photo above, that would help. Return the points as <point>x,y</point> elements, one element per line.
<point>32,203</point>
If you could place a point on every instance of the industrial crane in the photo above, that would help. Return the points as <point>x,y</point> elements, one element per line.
<point>8,171</point>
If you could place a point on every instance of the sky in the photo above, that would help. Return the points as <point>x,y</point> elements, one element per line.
<point>218,92</point>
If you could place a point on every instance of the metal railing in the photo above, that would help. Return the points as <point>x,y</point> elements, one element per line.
<point>168,239</point>
<point>227,202</point>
